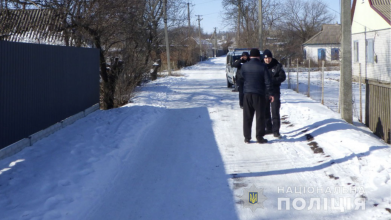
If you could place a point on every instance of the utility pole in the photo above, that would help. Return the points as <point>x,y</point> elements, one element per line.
<point>215,42</point>
<point>189,48</point>
<point>166,36</point>
<point>346,63</point>
<point>238,30</point>
<point>199,33</point>
<point>260,24</point>
<point>188,19</point>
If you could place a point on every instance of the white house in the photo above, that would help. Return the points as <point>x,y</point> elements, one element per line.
<point>371,39</point>
<point>324,45</point>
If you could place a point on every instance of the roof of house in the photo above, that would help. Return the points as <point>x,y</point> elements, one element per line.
<point>330,34</point>
<point>382,7</point>
<point>36,24</point>
<point>204,42</point>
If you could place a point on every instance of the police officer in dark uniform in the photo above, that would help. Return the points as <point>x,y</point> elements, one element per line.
<point>277,74</point>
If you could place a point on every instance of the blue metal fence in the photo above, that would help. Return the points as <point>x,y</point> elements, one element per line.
<point>42,84</point>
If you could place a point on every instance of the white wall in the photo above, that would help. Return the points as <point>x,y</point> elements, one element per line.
<point>380,70</point>
<point>312,51</point>
<point>365,16</point>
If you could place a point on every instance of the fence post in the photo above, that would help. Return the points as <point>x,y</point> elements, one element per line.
<point>289,79</point>
<point>309,75</point>
<point>339,90</point>
<point>297,76</point>
<point>367,100</point>
<point>322,82</point>
<point>359,86</point>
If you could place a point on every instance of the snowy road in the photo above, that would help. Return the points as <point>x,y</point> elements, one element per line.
<point>177,152</point>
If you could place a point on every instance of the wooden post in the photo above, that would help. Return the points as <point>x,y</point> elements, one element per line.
<point>309,75</point>
<point>339,96</point>
<point>260,24</point>
<point>367,100</point>
<point>166,37</point>
<point>199,34</point>
<point>322,82</point>
<point>297,76</point>
<point>289,78</point>
<point>359,86</point>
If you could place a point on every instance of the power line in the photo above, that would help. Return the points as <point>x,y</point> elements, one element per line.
<point>211,13</point>
<point>207,2</point>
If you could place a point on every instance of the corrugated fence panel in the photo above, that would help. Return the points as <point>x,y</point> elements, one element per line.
<point>41,85</point>
<point>380,109</point>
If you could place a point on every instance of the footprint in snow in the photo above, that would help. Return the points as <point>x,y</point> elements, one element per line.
<point>362,161</point>
<point>380,169</point>
<point>93,160</point>
<point>4,201</point>
<point>52,202</point>
<point>240,185</point>
<point>64,183</point>
<point>27,214</point>
<point>52,215</point>
<point>86,172</point>
<point>331,176</point>
<point>47,187</point>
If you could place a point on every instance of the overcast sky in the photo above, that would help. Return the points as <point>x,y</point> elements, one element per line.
<point>212,13</point>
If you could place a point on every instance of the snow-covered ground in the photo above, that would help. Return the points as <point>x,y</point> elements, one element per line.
<point>177,152</point>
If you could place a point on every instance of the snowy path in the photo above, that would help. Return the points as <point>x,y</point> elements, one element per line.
<point>177,152</point>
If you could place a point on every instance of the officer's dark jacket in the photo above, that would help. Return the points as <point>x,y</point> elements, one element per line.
<point>256,78</point>
<point>277,75</point>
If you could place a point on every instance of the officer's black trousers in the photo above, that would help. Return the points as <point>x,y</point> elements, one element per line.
<point>273,122</point>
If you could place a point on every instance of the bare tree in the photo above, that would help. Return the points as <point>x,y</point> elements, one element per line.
<point>272,14</point>
<point>286,23</point>
<point>302,20</point>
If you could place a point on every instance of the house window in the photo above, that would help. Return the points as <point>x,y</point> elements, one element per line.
<point>304,54</point>
<point>334,54</point>
<point>321,54</point>
<point>370,51</point>
<point>355,51</point>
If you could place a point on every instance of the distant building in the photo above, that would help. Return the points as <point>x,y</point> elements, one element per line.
<point>208,47</point>
<point>324,45</point>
